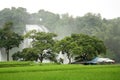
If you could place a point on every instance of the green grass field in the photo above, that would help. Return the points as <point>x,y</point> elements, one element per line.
<point>58,72</point>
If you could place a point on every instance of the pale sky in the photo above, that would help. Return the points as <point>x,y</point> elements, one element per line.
<point>107,8</point>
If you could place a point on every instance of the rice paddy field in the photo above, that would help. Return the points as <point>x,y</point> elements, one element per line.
<point>32,71</point>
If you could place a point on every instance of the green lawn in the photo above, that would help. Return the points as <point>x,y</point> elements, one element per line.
<point>61,72</point>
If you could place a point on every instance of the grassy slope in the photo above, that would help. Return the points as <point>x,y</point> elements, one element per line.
<point>61,72</point>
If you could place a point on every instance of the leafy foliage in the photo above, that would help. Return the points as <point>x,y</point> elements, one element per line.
<point>29,54</point>
<point>8,38</point>
<point>82,45</point>
<point>64,25</point>
<point>42,45</point>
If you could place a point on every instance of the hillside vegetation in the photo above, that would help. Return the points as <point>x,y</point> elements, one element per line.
<point>92,24</point>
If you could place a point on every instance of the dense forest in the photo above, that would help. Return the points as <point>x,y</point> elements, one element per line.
<point>63,25</point>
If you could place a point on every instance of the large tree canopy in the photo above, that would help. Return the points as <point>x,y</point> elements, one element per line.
<point>89,46</point>
<point>42,41</point>
<point>85,46</point>
<point>8,38</point>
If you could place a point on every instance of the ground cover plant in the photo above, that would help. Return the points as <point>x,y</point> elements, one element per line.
<point>60,72</point>
<point>15,63</point>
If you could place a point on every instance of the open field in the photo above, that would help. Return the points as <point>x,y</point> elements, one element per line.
<point>60,72</point>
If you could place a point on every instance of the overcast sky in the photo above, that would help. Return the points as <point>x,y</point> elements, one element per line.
<point>107,8</point>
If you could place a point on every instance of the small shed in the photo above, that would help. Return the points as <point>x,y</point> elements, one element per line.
<point>99,60</point>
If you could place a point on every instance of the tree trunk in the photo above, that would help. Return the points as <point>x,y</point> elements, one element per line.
<point>41,58</point>
<point>69,58</point>
<point>7,52</point>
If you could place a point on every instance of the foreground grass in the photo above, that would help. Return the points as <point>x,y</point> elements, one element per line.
<point>15,63</point>
<point>61,72</point>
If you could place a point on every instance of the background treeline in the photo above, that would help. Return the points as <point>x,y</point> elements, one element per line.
<point>64,25</point>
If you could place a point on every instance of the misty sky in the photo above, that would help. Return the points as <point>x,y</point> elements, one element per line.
<point>107,8</point>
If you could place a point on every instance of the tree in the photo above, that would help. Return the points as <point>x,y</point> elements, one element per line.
<point>88,24</point>
<point>27,54</point>
<point>18,56</point>
<point>8,38</point>
<point>83,45</point>
<point>65,45</point>
<point>19,16</point>
<point>30,54</point>
<point>90,45</point>
<point>41,41</point>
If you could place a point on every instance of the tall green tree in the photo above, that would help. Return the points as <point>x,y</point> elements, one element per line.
<point>8,38</point>
<point>30,54</point>
<point>91,46</point>
<point>82,45</point>
<point>66,45</point>
<point>42,41</point>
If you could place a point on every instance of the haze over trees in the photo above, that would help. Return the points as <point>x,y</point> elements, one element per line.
<point>91,24</point>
